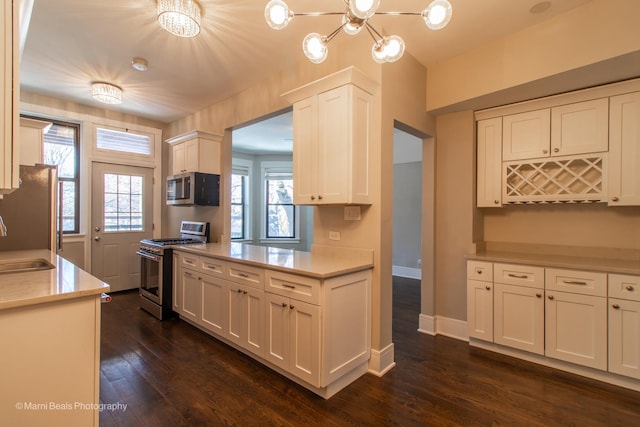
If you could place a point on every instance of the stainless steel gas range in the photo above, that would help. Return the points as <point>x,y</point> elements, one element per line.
<point>156,268</point>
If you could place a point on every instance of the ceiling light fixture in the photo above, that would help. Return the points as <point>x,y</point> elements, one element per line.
<point>139,64</point>
<point>106,93</point>
<point>356,17</point>
<point>180,17</point>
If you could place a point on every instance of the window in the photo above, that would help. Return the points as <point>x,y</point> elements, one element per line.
<point>122,202</point>
<point>127,142</point>
<point>61,149</point>
<point>280,210</point>
<point>239,205</point>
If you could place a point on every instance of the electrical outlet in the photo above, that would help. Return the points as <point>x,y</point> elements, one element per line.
<point>334,235</point>
<point>352,213</point>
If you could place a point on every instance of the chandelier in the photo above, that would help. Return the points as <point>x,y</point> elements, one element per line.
<point>179,17</point>
<point>106,93</point>
<point>356,17</point>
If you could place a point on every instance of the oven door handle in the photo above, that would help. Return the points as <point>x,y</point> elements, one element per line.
<point>149,256</point>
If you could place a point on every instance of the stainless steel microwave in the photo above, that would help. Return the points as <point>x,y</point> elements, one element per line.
<point>193,188</point>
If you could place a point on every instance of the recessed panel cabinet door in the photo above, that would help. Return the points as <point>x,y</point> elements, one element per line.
<point>304,341</point>
<point>526,135</point>
<point>624,150</point>
<point>489,179</point>
<point>305,150</point>
<point>624,337</point>
<point>480,310</point>
<point>519,317</point>
<point>214,304</point>
<point>277,330</point>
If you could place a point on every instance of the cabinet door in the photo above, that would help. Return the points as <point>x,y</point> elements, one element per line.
<point>245,317</point>
<point>9,97</point>
<point>191,295</point>
<point>304,341</point>
<point>576,328</point>
<point>179,158</point>
<point>526,135</point>
<point>624,337</point>
<point>254,318</point>
<point>236,314</point>
<point>580,128</point>
<point>177,284</point>
<point>334,118</point>
<point>305,151</point>
<point>277,330</point>
<point>624,150</point>
<point>480,310</point>
<point>191,156</point>
<point>518,320</point>
<point>489,172</point>
<point>214,291</point>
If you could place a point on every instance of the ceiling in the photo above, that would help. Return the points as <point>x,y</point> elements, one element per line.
<point>71,43</point>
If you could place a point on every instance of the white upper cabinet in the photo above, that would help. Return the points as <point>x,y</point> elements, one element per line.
<point>526,135</point>
<point>489,182</point>
<point>332,121</point>
<point>32,140</point>
<point>624,150</point>
<point>195,152</point>
<point>564,130</point>
<point>9,97</point>
<point>580,128</point>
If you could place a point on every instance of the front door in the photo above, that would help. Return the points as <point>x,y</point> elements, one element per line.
<point>121,216</point>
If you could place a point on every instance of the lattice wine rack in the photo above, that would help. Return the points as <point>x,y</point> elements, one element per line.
<point>555,180</point>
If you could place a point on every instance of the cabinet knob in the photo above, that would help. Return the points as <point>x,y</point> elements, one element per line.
<point>488,287</point>
<point>497,202</point>
<point>313,197</point>
<point>550,297</point>
<point>319,197</point>
<point>539,295</point>
<point>284,304</point>
<point>239,291</point>
<point>291,307</point>
<point>629,287</point>
<point>556,150</point>
<point>616,306</point>
<point>545,151</point>
<point>615,199</point>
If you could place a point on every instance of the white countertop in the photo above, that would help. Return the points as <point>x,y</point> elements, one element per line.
<point>321,263</point>
<point>65,281</point>
<point>609,265</point>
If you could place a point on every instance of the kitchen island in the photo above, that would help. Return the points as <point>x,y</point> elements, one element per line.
<point>50,334</point>
<point>307,315</point>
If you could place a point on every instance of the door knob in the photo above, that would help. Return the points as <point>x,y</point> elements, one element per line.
<point>97,238</point>
<point>97,228</point>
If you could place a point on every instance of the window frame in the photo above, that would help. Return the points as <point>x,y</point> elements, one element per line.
<point>244,167</point>
<point>282,167</point>
<point>76,172</point>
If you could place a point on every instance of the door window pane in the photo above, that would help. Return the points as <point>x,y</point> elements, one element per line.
<point>123,207</point>
<point>280,209</point>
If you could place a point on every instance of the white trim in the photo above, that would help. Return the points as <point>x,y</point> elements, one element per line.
<point>408,272</point>
<point>382,361</point>
<point>446,326</point>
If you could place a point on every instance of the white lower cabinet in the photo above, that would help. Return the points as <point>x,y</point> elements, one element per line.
<point>624,325</point>
<point>518,317</point>
<point>316,331</point>
<point>587,318</point>
<point>244,318</point>
<point>293,336</point>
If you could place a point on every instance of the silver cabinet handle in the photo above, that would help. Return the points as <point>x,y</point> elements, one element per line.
<point>518,276</point>
<point>616,306</point>
<point>574,282</point>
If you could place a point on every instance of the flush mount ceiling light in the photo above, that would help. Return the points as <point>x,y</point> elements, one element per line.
<point>356,17</point>
<point>106,93</point>
<point>139,64</point>
<point>180,17</point>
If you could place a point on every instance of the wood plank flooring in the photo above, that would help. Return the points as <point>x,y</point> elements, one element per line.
<point>171,374</point>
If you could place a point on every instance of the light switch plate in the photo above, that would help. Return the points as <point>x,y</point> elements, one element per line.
<point>334,235</point>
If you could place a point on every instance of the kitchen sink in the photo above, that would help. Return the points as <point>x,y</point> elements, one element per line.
<point>24,265</point>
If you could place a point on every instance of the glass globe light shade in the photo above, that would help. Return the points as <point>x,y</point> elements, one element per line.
<point>394,48</point>
<point>277,14</point>
<point>377,52</point>
<point>437,15</point>
<point>315,48</point>
<point>363,9</point>
<point>352,25</point>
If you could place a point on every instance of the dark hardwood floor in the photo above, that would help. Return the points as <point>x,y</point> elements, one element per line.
<point>171,374</point>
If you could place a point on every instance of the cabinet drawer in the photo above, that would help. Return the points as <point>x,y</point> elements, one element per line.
<point>480,270</point>
<point>298,287</point>
<point>520,275</point>
<point>189,261</point>
<point>246,275</point>
<point>213,266</point>
<point>624,287</point>
<point>577,282</point>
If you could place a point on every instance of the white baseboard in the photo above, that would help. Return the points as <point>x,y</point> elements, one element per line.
<point>382,361</point>
<point>408,272</point>
<point>438,325</point>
